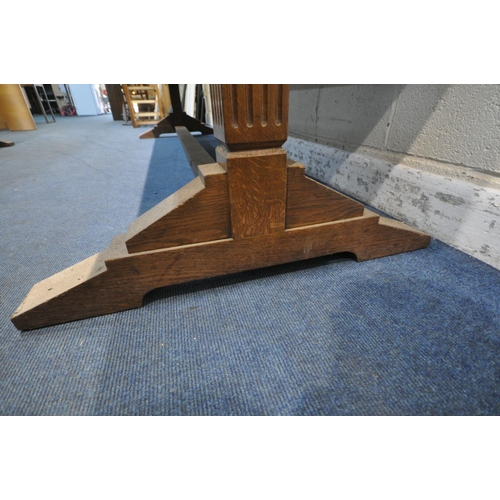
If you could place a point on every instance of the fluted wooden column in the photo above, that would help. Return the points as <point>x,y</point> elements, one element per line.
<point>250,116</point>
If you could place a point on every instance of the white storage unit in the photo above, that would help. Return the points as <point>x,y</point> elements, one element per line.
<point>87,98</point>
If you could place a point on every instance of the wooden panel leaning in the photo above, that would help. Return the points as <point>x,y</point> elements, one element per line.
<point>250,209</point>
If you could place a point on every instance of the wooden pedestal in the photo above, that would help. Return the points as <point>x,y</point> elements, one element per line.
<point>252,208</point>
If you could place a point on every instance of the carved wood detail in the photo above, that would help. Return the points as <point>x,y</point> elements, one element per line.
<point>250,116</point>
<point>252,209</point>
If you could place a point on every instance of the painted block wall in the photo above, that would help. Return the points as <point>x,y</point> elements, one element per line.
<point>455,124</point>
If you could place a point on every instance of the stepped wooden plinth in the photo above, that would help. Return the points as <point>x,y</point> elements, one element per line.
<point>252,208</point>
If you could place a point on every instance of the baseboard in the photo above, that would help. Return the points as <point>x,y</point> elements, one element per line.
<point>453,204</point>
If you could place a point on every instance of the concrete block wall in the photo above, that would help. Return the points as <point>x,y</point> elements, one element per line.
<point>426,154</point>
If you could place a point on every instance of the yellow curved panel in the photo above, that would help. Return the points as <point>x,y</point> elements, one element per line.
<point>14,111</point>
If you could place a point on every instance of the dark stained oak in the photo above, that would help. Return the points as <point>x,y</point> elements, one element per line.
<point>178,118</point>
<point>115,97</point>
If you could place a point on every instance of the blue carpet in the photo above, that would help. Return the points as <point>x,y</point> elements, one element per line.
<point>413,334</point>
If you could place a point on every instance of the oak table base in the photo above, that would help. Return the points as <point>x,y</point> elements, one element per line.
<point>118,278</point>
<point>253,208</point>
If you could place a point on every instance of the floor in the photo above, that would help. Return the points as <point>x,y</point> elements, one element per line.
<point>412,334</point>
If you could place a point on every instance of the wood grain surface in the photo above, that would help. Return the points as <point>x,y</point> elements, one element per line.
<point>249,210</point>
<point>250,116</point>
<point>309,202</point>
<point>199,211</point>
<point>115,280</point>
<point>14,111</point>
<point>257,190</point>
<point>195,153</point>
